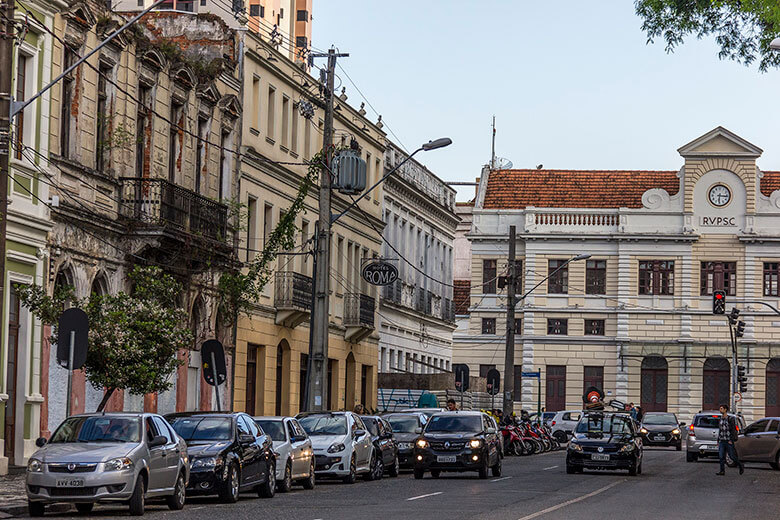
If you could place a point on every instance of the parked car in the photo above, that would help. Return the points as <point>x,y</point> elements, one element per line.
<point>563,423</point>
<point>760,442</point>
<point>702,438</point>
<point>112,457</point>
<point>427,411</point>
<point>406,428</point>
<point>293,451</point>
<point>661,429</point>
<point>458,441</point>
<point>228,454</point>
<point>385,446</point>
<point>342,445</point>
<point>605,440</point>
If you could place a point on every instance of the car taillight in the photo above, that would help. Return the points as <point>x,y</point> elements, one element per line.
<point>553,423</point>
<point>690,431</point>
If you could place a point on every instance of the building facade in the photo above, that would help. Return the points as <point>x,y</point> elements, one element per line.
<point>417,313</point>
<point>283,129</point>
<point>636,317</point>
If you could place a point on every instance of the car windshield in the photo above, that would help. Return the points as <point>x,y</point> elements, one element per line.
<point>324,424</point>
<point>660,419</point>
<point>203,428</point>
<point>706,421</point>
<point>454,423</point>
<point>403,423</point>
<point>274,429</point>
<point>609,424</point>
<point>371,426</point>
<point>98,429</point>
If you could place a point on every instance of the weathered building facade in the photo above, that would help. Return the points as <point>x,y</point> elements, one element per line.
<point>636,317</point>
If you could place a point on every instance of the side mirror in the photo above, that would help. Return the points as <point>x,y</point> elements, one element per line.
<point>158,440</point>
<point>359,433</point>
<point>41,442</point>
<point>245,438</point>
<point>418,430</point>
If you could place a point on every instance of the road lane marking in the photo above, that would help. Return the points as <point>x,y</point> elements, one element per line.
<point>572,501</point>
<point>551,467</point>
<point>424,496</point>
<point>500,479</point>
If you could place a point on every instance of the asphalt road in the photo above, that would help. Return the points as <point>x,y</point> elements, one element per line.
<point>530,488</point>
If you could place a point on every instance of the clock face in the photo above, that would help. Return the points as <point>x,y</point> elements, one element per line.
<point>719,195</point>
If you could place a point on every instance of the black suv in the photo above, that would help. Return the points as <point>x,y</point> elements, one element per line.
<point>458,441</point>
<point>605,440</point>
<point>228,454</point>
<point>661,429</point>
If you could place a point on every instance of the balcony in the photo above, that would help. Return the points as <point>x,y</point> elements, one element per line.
<point>358,316</point>
<point>156,204</point>
<point>292,298</point>
<point>598,221</point>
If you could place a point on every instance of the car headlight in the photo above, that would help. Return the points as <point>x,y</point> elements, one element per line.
<point>118,464</point>
<point>206,462</point>
<point>475,443</point>
<point>676,431</point>
<point>336,447</point>
<point>573,446</point>
<point>643,430</point>
<point>34,466</point>
<point>422,443</point>
<point>627,448</point>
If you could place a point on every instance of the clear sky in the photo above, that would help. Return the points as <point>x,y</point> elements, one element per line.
<point>572,84</point>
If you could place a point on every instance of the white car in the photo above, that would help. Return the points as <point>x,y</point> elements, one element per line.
<point>342,445</point>
<point>294,452</point>
<point>563,424</point>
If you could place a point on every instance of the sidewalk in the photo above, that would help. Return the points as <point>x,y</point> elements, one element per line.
<point>13,500</point>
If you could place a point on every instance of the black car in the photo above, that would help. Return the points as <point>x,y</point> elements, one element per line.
<point>382,436</point>
<point>605,440</point>
<point>407,427</point>
<point>458,441</point>
<point>228,454</point>
<point>661,429</point>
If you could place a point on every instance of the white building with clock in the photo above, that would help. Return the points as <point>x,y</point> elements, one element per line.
<point>636,317</point>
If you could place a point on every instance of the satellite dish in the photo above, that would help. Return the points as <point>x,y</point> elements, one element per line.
<point>502,163</point>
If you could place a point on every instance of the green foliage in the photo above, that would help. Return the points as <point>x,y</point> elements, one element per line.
<point>742,28</point>
<point>47,308</point>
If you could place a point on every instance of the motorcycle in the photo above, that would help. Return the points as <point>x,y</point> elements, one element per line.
<point>513,442</point>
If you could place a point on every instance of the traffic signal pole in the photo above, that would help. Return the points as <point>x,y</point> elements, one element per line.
<point>734,383</point>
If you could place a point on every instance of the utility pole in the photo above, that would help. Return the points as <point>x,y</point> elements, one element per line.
<point>7,39</point>
<point>317,383</point>
<point>509,358</point>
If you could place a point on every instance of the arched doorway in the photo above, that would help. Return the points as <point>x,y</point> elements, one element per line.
<point>772,402</point>
<point>654,384</point>
<point>715,383</point>
<point>351,367</point>
<point>282,378</point>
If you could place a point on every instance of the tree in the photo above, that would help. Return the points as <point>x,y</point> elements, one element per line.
<point>742,28</point>
<point>133,338</point>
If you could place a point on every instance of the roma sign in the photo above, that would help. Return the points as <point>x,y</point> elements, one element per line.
<point>379,272</point>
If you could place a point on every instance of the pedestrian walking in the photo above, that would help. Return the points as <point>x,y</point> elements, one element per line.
<point>727,436</point>
<point>452,406</point>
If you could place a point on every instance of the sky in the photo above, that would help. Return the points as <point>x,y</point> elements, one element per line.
<point>573,84</point>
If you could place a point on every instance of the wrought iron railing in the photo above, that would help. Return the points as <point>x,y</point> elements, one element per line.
<point>157,202</point>
<point>359,310</point>
<point>292,291</point>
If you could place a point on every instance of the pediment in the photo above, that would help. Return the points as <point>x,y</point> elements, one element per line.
<point>106,28</point>
<point>209,93</point>
<point>720,142</point>
<point>183,77</point>
<point>230,105</point>
<point>154,59</point>
<point>81,15</point>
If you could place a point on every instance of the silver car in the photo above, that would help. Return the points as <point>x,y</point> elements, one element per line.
<point>563,423</point>
<point>294,454</point>
<point>342,445</point>
<point>113,457</point>
<point>702,438</point>
<point>760,442</point>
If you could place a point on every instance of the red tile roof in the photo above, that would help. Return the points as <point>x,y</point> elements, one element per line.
<point>462,296</point>
<point>770,182</point>
<point>516,189</point>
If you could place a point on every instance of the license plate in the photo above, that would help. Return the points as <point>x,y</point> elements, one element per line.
<point>446,458</point>
<point>599,456</point>
<point>659,437</point>
<point>70,482</point>
<point>404,445</point>
<point>708,447</point>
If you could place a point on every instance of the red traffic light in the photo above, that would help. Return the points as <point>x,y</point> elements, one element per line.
<point>718,296</point>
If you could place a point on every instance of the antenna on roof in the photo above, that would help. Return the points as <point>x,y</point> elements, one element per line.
<point>493,147</point>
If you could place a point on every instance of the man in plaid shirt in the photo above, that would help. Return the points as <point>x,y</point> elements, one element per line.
<point>727,436</point>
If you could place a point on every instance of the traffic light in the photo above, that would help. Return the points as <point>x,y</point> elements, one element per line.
<point>740,329</point>
<point>719,302</point>
<point>734,316</point>
<point>742,378</point>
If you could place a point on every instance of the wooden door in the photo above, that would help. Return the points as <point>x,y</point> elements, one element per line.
<point>10,375</point>
<point>556,388</point>
<point>772,401</point>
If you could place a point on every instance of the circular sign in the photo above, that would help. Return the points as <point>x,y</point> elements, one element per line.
<point>594,397</point>
<point>737,397</point>
<point>379,272</point>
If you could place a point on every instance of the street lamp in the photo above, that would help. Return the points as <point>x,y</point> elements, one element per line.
<point>430,145</point>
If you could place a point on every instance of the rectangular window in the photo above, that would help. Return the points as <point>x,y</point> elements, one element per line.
<point>268,224</point>
<point>294,131</point>
<point>285,121</point>
<point>174,147</point>
<point>256,103</point>
<point>301,42</point>
<point>302,15</point>
<point>69,59</point>
<point>593,376</point>
<point>306,139</point>
<point>271,111</point>
<point>21,80</point>
<point>489,276</point>
<point>594,327</point>
<point>656,277</point>
<point>141,125</point>
<point>718,276</point>
<point>771,271</point>
<point>596,277</point>
<point>224,165</point>
<point>200,153</point>
<point>251,228</point>
<point>518,325</point>
<point>557,326</point>
<point>558,283</point>
<point>254,10</point>
<point>484,369</point>
<point>488,325</point>
<point>518,382</point>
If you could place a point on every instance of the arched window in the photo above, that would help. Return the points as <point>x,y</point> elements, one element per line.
<point>64,279</point>
<point>715,383</point>
<point>99,285</point>
<point>654,385</point>
<point>772,402</point>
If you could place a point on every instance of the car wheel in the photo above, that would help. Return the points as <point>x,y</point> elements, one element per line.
<point>228,493</point>
<point>268,488</point>
<point>36,508</point>
<point>632,469</point>
<point>286,483</point>
<point>308,483</point>
<point>352,477</point>
<point>377,468</point>
<point>483,471</point>
<point>496,469</point>
<point>691,457</point>
<point>84,507</point>
<point>560,436</point>
<point>395,469</point>
<point>435,473</point>
<point>419,473</point>
<point>137,498</point>
<point>176,501</point>
<point>570,469</point>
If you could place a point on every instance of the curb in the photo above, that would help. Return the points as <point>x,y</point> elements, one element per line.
<point>21,510</point>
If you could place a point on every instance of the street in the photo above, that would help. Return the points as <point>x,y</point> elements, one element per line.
<point>530,487</point>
